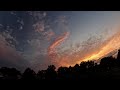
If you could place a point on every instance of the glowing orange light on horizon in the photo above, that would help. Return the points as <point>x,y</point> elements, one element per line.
<point>108,46</point>
<point>113,43</point>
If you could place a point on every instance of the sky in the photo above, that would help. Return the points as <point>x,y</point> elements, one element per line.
<point>37,39</point>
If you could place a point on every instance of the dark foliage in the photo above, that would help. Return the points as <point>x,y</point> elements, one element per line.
<point>108,68</point>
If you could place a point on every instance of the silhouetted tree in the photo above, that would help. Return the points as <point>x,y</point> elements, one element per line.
<point>41,75</point>
<point>118,56</point>
<point>87,70</point>
<point>10,73</point>
<point>83,67</point>
<point>63,72</point>
<point>76,68</point>
<point>29,74</point>
<point>50,72</point>
<point>107,63</point>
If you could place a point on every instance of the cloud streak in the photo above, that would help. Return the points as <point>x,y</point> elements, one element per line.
<point>52,48</point>
<point>93,49</point>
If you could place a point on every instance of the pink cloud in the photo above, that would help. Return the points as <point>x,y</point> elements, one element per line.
<point>9,54</point>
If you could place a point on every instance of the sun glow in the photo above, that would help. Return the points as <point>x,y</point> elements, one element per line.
<point>75,56</point>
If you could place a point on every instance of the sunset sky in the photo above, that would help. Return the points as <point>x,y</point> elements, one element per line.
<point>37,39</point>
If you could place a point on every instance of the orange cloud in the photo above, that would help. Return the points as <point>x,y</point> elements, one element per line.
<point>52,48</point>
<point>92,49</point>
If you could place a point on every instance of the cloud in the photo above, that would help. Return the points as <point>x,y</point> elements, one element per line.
<point>61,24</point>
<point>39,27</point>
<point>9,56</point>
<point>12,41</point>
<point>49,34</point>
<point>94,48</point>
<point>37,15</point>
<point>52,51</point>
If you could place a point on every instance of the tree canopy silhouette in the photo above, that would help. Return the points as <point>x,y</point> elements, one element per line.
<point>107,68</point>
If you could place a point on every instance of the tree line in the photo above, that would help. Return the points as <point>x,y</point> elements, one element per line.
<point>108,68</point>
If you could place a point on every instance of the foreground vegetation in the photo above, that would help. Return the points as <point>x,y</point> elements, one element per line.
<point>108,68</point>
